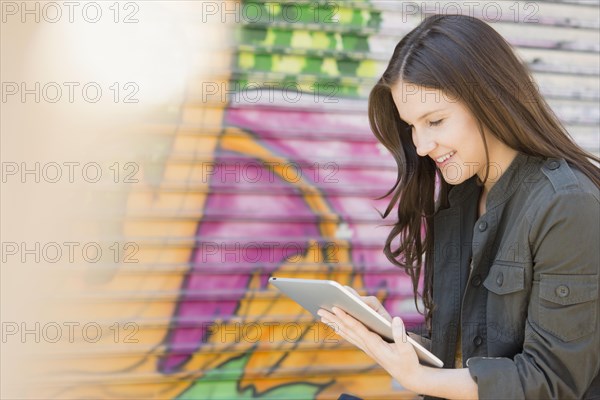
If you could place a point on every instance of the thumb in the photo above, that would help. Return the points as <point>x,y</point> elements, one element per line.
<point>398,330</point>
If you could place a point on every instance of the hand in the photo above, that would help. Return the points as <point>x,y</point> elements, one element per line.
<point>372,302</point>
<point>398,358</point>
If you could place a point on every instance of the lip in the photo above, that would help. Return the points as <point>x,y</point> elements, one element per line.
<point>445,161</point>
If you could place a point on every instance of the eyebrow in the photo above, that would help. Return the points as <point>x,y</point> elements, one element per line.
<point>424,115</point>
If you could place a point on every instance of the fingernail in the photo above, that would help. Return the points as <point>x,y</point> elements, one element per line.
<point>397,322</point>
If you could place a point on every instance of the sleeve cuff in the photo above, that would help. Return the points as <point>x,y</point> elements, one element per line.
<point>496,378</point>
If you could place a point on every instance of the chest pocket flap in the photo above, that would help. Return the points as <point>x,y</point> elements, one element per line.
<point>568,289</point>
<point>568,306</point>
<point>505,278</point>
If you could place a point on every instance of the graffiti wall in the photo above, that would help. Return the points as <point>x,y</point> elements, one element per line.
<point>267,167</point>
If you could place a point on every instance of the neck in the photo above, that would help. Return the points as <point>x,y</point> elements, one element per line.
<point>498,164</point>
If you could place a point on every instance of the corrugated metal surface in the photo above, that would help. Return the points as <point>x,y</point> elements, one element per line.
<point>269,181</point>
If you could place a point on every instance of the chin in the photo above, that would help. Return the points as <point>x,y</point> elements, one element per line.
<point>455,174</point>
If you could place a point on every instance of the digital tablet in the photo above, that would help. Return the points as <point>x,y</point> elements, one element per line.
<point>313,294</point>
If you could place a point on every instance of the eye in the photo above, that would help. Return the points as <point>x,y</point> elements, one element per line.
<point>435,123</point>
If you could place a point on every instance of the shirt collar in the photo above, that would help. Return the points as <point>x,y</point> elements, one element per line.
<point>502,189</point>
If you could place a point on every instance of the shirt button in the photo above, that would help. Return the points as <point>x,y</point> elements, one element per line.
<point>477,340</point>
<point>562,291</point>
<point>500,278</point>
<point>482,226</point>
<point>553,164</point>
<point>476,281</point>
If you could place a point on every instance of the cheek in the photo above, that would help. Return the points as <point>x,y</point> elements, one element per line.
<point>470,136</point>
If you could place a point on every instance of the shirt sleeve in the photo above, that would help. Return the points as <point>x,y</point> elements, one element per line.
<point>561,349</point>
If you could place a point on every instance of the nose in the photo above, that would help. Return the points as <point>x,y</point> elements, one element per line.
<point>424,143</point>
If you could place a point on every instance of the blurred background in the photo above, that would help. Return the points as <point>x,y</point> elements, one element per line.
<point>162,159</point>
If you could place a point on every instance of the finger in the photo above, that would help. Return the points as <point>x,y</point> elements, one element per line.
<point>351,290</point>
<point>352,325</point>
<point>329,316</point>
<point>356,330</point>
<point>346,336</point>
<point>372,302</point>
<point>341,317</point>
<point>324,313</point>
<point>330,320</point>
<point>333,326</point>
<point>336,327</point>
<point>398,330</point>
<point>349,333</point>
<point>338,312</point>
<point>376,305</point>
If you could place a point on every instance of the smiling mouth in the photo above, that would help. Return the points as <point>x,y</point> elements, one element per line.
<point>445,157</point>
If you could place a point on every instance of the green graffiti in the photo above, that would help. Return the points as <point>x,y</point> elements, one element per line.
<point>223,383</point>
<point>323,45</point>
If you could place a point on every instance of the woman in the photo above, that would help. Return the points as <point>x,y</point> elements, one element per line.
<point>506,237</point>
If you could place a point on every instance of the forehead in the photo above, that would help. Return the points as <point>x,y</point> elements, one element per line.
<point>413,100</point>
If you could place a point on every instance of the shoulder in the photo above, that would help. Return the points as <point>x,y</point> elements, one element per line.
<point>548,181</point>
<point>555,192</point>
<point>566,178</point>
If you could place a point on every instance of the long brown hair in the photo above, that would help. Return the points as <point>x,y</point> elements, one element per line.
<point>467,60</point>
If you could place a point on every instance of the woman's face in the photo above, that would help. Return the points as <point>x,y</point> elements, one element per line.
<point>445,130</point>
